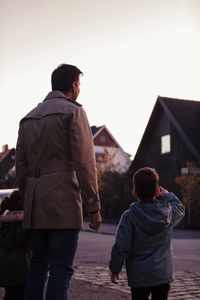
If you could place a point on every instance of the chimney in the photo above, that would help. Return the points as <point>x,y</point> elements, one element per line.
<point>5,148</point>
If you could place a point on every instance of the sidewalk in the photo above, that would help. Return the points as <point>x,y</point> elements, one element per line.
<point>97,281</point>
<point>83,290</point>
<point>89,287</point>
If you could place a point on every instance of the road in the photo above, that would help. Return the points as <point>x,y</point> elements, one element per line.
<point>94,249</point>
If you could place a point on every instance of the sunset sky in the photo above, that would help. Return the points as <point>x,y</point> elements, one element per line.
<point>130,51</point>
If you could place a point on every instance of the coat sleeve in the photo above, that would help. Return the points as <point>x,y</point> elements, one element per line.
<point>83,156</point>
<point>177,208</point>
<point>20,163</point>
<point>123,244</point>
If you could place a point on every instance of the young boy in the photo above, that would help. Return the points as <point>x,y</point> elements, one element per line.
<point>143,238</point>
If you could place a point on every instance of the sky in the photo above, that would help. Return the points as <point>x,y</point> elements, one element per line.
<point>130,51</point>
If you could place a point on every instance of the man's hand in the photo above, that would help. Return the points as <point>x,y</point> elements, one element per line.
<point>114,278</point>
<point>95,220</point>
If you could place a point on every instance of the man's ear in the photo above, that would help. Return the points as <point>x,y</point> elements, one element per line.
<point>74,84</point>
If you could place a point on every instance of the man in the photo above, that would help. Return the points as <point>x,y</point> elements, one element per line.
<point>55,164</point>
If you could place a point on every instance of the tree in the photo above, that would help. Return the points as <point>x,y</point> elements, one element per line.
<point>105,164</point>
<point>114,187</point>
<point>190,189</point>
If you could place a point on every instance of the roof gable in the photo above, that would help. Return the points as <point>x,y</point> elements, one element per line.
<point>185,116</point>
<point>104,139</point>
<point>97,131</point>
<point>103,130</point>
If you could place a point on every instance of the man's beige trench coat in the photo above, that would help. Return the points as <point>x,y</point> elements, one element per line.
<point>55,163</point>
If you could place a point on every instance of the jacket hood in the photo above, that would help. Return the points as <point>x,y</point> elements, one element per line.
<point>152,217</point>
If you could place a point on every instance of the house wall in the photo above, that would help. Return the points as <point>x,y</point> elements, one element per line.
<point>104,139</point>
<point>117,159</point>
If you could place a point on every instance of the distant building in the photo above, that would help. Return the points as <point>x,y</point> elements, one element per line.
<point>7,163</point>
<point>109,154</point>
<point>171,139</point>
<point>4,151</point>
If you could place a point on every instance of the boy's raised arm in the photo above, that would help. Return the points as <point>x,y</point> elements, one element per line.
<point>178,209</point>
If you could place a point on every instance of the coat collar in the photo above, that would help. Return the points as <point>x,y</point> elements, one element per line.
<point>59,94</point>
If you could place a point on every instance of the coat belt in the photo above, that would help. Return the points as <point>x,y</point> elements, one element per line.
<point>50,167</point>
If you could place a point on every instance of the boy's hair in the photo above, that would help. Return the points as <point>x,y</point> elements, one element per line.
<point>63,77</point>
<point>12,203</point>
<point>145,182</point>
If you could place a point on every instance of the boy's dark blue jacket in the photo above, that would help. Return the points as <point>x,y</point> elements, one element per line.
<point>143,241</point>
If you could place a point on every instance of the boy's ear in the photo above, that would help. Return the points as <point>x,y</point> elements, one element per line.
<point>157,191</point>
<point>134,194</point>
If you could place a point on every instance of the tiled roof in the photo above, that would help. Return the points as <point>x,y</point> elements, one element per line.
<point>95,129</point>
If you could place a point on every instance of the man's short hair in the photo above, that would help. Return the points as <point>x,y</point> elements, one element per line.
<point>63,77</point>
<point>145,182</point>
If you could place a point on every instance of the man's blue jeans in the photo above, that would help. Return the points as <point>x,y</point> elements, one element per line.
<point>53,250</point>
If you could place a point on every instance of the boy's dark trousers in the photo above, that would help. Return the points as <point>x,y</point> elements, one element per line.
<point>159,292</point>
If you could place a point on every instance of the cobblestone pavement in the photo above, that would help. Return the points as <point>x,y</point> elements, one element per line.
<point>186,285</point>
<point>94,283</point>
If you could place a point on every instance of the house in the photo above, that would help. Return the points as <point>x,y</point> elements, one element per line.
<point>171,139</point>
<point>5,150</point>
<point>7,163</point>
<point>109,154</point>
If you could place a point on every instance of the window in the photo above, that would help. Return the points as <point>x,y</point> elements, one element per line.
<point>102,138</point>
<point>165,144</point>
<point>101,157</point>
